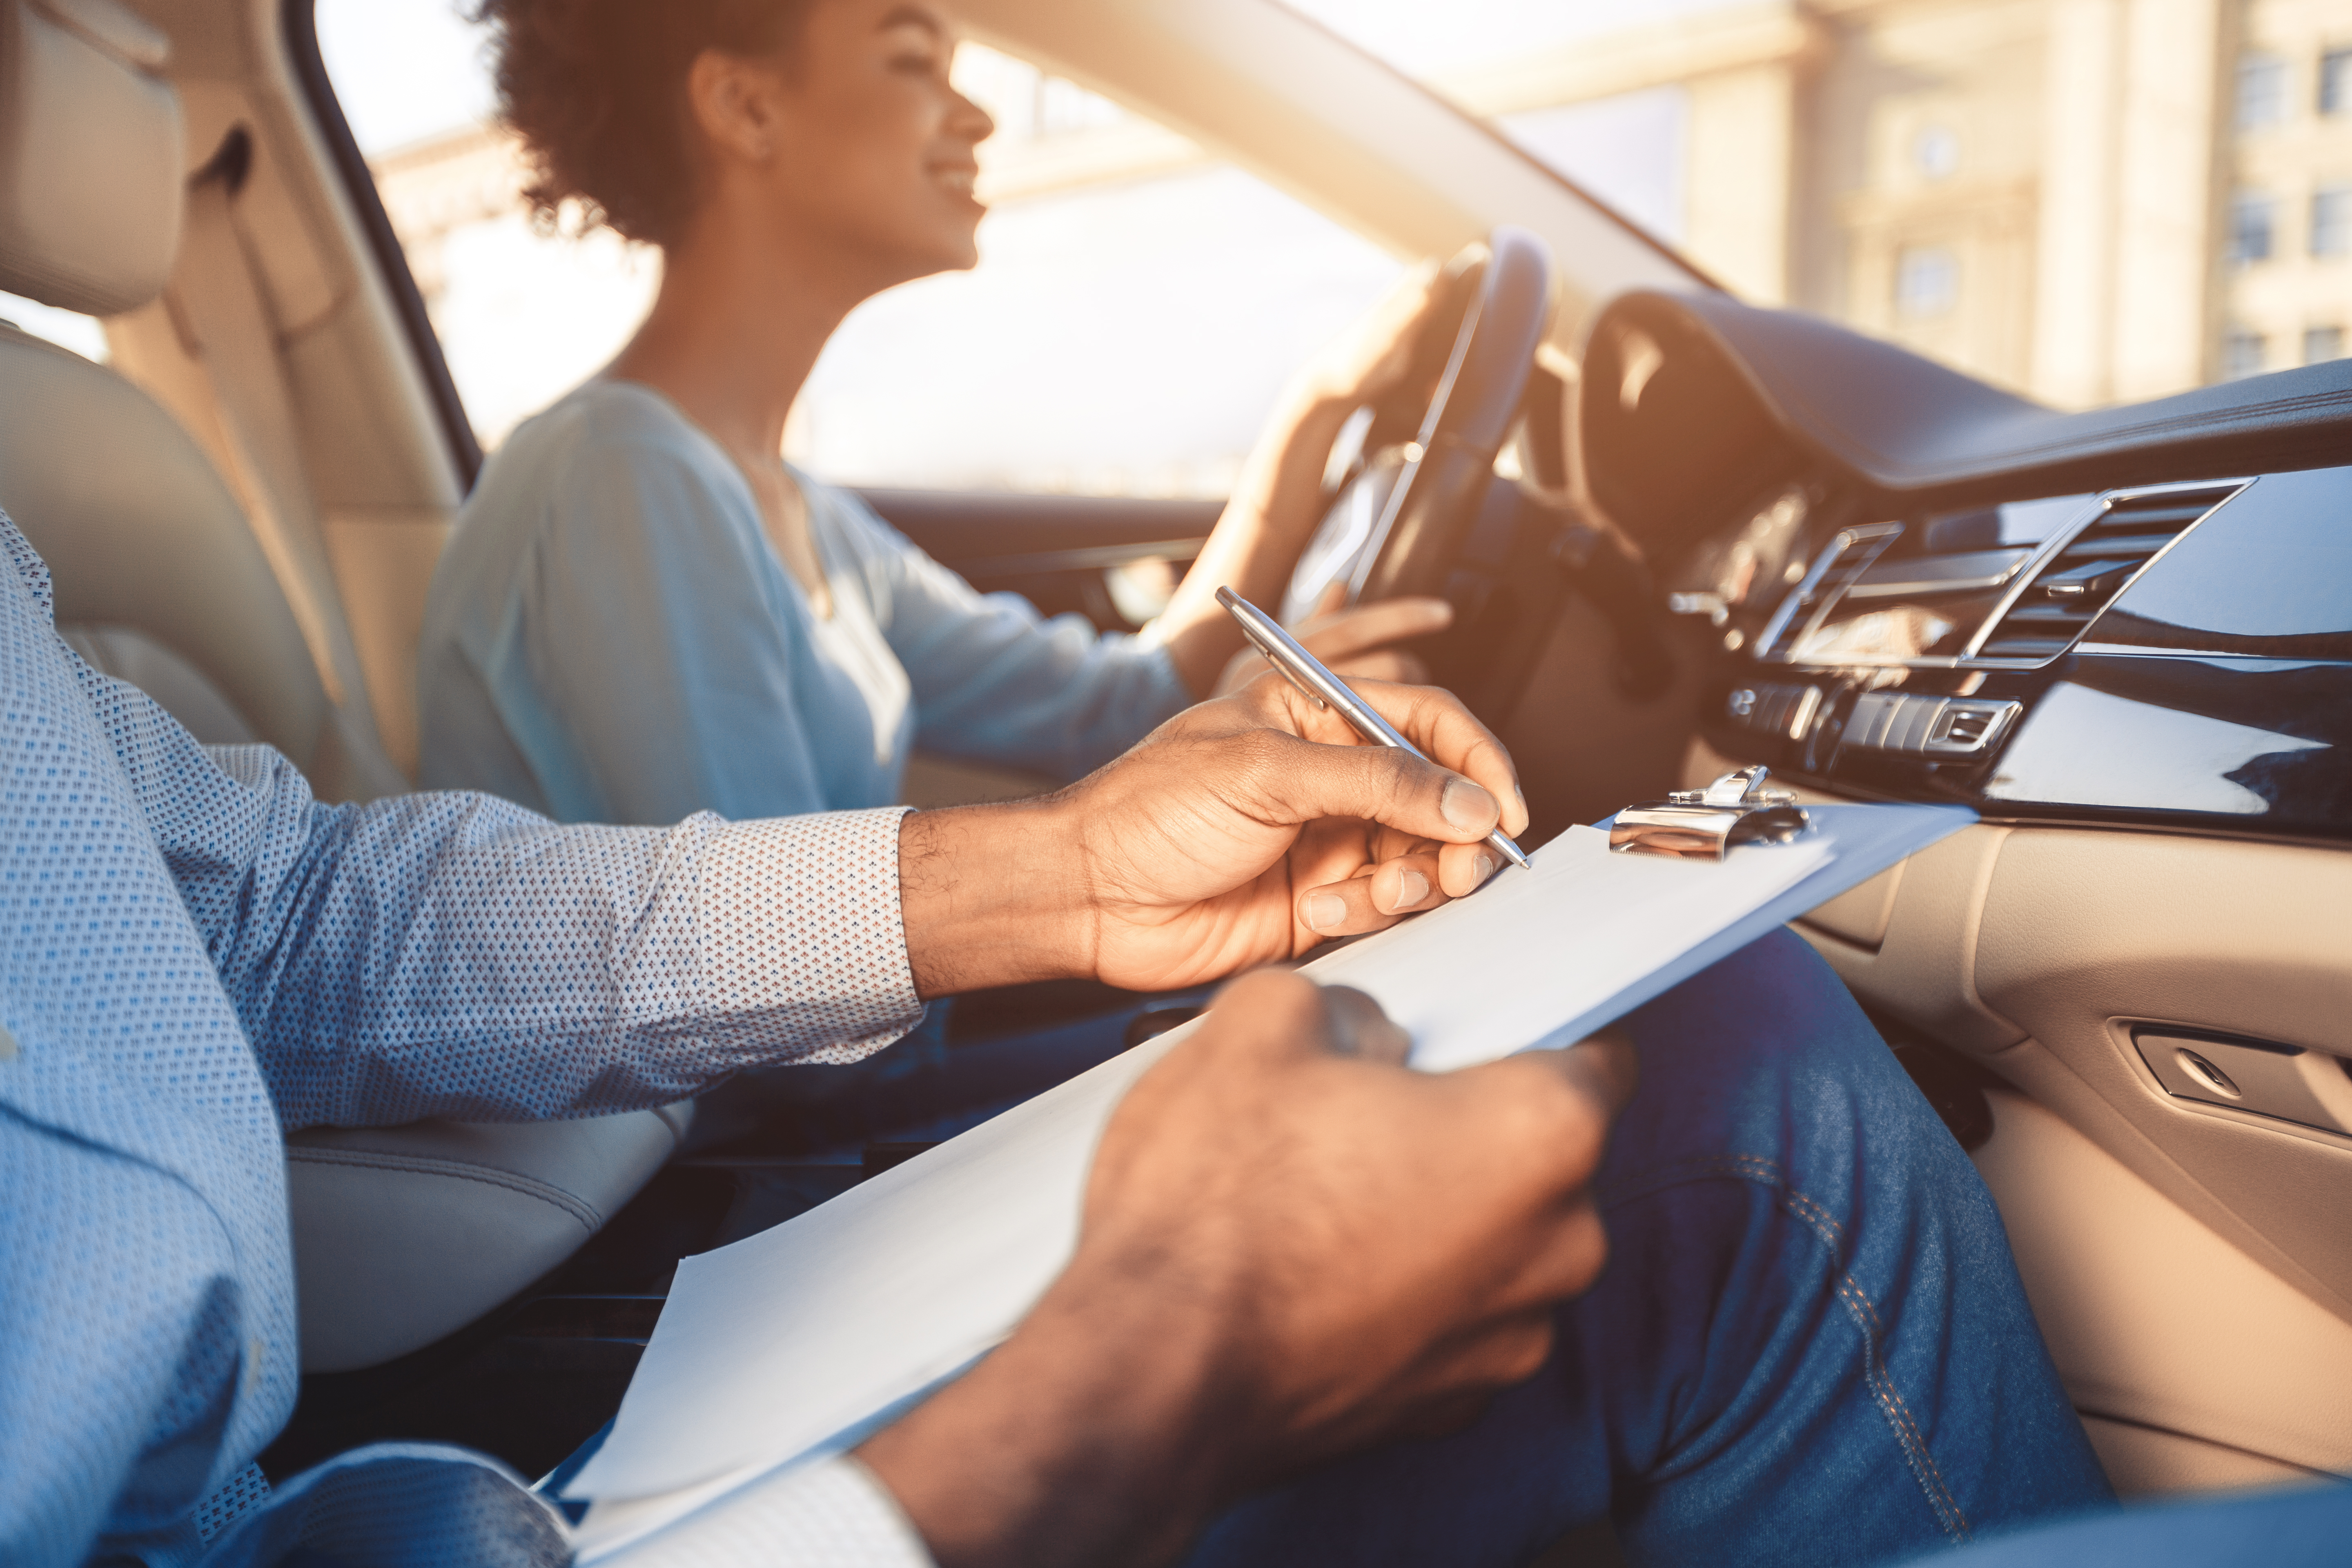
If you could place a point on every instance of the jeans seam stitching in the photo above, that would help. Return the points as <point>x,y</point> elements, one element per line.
<point>1860,1308</point>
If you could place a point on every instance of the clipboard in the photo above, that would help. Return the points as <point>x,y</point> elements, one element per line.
<point>797,1343</point>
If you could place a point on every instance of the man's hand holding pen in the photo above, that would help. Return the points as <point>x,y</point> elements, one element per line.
<point>1242,831</point>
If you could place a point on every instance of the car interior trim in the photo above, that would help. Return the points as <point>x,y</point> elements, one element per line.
<point>301,26</point>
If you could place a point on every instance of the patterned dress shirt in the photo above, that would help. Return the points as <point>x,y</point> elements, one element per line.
<point>199,958</point>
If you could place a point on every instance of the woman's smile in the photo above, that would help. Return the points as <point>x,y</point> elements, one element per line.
<point>957,179</point>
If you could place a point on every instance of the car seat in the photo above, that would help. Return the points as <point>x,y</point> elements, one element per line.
<point>402,1235</point>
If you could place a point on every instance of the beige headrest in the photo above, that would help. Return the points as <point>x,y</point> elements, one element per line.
<point>92,162</point>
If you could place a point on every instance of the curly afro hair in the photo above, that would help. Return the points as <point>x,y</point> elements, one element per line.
<point>596,90</point>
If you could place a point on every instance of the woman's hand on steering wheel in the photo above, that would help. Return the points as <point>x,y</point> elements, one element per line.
<point>1279,499</point>
<point>1354,641</point>
<point>1370,359</point>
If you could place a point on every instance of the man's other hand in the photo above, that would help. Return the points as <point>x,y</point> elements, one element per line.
<point>1242,830</point>
<point>1292,1246</point>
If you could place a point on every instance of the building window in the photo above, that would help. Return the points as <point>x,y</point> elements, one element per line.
<point>2321,344</point>
<point>2336,82</point>
<point>2243,355</point>
<point>1927,281</point>
<point>2261,91</point>
<point>1935,153</point>
<point>2331,221</point>
<point>2253,224</point>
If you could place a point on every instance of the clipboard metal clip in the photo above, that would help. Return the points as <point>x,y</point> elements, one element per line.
<point>1703,823</point>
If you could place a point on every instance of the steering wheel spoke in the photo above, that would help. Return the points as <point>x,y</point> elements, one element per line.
<point>1396,527</point>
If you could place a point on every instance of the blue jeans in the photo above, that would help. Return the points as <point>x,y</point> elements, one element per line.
<point>1809,1346</point>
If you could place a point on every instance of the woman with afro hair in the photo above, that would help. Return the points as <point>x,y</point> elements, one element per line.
<point>645,612</point>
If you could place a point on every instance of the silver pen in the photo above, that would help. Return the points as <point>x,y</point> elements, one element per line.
<point>1305,671</point>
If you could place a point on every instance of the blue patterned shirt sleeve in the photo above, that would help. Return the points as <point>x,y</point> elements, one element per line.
<point>454,955</point>
<point>198,955</point>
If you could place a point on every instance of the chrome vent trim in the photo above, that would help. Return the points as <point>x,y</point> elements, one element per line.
<point>2056,601</point>
<point>1843,560</point>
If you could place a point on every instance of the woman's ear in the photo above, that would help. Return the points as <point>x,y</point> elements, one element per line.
<point>736,105</point>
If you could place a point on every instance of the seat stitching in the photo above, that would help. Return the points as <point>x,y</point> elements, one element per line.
<point>420,1166</point>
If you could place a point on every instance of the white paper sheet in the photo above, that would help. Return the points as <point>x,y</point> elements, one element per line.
<point>794,1342</point>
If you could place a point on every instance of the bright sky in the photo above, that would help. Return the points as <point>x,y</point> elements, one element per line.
<point>403,68</point>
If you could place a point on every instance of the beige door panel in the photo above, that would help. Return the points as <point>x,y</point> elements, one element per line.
<point>2197,1366</point>
<point>2078,937</point>
<point>2147,1461</point>
<point>2086,936</point>
<point>2187,1259</point>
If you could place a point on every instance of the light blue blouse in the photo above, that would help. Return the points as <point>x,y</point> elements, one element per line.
<point>611,637</point>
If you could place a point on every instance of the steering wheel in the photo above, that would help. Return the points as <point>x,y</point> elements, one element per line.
<point>1404,503</point>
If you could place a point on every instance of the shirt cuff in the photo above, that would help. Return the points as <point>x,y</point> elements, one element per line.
<point>833,1514</point>
<point>799,942</point>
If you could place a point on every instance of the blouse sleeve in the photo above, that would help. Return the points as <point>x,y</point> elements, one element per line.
<point>645,662</point>
<point>995,679</point>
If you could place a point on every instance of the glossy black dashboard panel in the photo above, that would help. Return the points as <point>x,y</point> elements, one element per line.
<point>2209,690</point>
<point>2275,581</point>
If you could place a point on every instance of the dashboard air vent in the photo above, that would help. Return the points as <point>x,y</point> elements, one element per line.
<point>1848,556</point>
<point>2078,582</point>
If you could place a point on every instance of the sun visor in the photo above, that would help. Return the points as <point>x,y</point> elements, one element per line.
<point>92,155</point>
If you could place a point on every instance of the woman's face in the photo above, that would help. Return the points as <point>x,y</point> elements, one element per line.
<point>875,148</point>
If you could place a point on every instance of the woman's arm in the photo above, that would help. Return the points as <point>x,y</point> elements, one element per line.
<point>992,678</point>
<point>1277,502</point>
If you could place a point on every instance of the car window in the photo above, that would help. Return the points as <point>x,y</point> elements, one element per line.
<point>1136,308</point>
<point>1909,170</point>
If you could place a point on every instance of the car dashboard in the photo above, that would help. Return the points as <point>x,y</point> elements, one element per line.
<point>2172,651</point>
<point>2125,640</point>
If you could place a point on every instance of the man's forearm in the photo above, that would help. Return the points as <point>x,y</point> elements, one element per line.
<point>1090,1437</point>
<point>989,896</point>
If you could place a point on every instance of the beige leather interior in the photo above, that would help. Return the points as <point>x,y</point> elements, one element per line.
<point>2188,1261</point>
<point>91,155</point>
<point>220,599</point>
<point>321,420</point>
<point>156,571</point>
<point>2257,1377</point>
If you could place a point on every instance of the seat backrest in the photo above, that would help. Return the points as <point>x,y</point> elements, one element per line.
<point>159,579</point>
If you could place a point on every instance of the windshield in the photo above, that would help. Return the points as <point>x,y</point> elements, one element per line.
<point>1952,178</point>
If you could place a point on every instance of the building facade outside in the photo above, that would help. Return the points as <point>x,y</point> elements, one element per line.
<point>2088,200</point>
